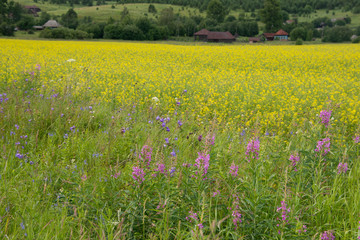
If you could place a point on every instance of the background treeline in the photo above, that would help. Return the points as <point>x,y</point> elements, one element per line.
<point>294,6</point>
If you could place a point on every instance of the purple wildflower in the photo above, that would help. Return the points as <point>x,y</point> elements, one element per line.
<point>192,216</point>
<point>327,235</point>
<point>167,129</point>
<point>253,147</point>
<point>138,174</point>
<point>202,162</point>
<point>325,117</point>
<point>160,169</point>
<point>216,193</point>
<point>200,225</point>
<point>167,140</point>
<point>234,170</point>
<point>342,168</point>
<point>323,146</point>
<point>284,211</point>
<point>180,123</point>
<point>172,171</point>
<point>294,160</point>
<point>199,138</point>
<point>173,154</point>
<point>236,218</point>
<point>145,156</point>
<point>356,139</point>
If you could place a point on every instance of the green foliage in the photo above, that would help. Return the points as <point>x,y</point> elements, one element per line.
<point>298,33</point>
<point>94,29</point>
<point>271,15</point>
<point>356,40</point>
<point>26,22</point>
<point>216,10</point>
<point>299,41</point>
<point>152,9</point>
<point>65,33</point>
<point>6,29</point>
<point>337,34</point>
<point>340,22</point>
<point>44,17</point>
<point>70,19</point>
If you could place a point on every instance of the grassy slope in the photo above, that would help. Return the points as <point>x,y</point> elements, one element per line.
<point>103,12</point>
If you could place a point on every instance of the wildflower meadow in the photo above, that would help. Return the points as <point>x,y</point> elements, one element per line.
<point>118,140</point>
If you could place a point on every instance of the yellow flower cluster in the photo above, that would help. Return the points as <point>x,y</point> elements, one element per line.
<point>273,87</point>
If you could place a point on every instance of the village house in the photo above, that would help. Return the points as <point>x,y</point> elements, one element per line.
<point>279,35</point>
<point>51,24</point>
<point>209,36</point>
<point>33,10</point>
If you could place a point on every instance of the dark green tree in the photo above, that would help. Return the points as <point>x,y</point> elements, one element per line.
<point>298,33</point>
<point>152,9</point>
<point>26,22</point>
<point>44,17</point>
<point>70,19</point>
<point>216,10</point>
<point>271,15</point>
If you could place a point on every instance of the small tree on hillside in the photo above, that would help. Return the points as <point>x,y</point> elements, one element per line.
<point>152,9</point>
<point>271,15</point>
<point>216,10</point>
<point>70,19</point>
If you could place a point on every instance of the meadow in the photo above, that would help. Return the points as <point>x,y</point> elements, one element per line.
<point>120,140</point>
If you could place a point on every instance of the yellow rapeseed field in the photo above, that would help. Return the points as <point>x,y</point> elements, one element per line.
<point>273,87</point>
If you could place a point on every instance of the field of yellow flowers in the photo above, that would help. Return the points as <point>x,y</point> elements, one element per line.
<point>120,140</point>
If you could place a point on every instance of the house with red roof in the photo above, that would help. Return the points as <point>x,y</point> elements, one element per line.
<point>201,35</point>
<point>209,36</point>
<point>281,35</point>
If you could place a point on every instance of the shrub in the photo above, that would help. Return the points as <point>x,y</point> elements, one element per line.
<point>6,30</point>
<point>297,33</point>
<point>65,33</point>
<point>299,41</point>
<point>337,34</point>
<point>356,40</point>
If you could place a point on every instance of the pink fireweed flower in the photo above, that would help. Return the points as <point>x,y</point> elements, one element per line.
<point>216,193</point>
<point>325,117</point>
<point>234,170</point>
<point>294,160</point>
<point>192,216</point>
<point>253,147</point>
<point>327,235</point>
<point>284,211</point>
<point>342,168</point>
<point>145,155</point>
<point>202,162</point>
<point>160,169</point>
<point>236,218</point>
<point>323,146</point>
<point>138,174</point>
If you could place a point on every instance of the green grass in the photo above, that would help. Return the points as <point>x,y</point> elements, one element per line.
<point>355,18</point>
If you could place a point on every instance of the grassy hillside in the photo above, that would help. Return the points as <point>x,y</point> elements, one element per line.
<point>103,12</point>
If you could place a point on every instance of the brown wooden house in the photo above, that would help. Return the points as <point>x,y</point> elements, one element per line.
<point>201,35</point>
<point>209,36</point>
<point>33,10</point>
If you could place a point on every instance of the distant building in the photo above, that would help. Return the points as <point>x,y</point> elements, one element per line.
<point>254,39</point>
<point>201,35</point>
<point>291,21</point>
<point>209,36</point>
<point>281,35</point>
<point>51,24</point>
<point>269,36</point>
<point>33,10</point>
